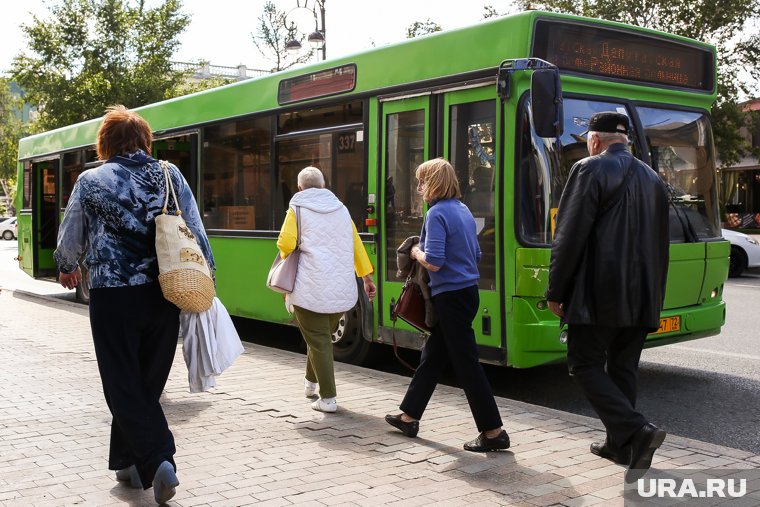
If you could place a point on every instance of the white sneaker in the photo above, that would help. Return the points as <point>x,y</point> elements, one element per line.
<point>322,405</point>
<point>309,388</point>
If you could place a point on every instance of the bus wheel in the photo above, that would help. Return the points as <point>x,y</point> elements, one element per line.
<point>737,262</point>
<point>83,289</point>
<point>349,346</point>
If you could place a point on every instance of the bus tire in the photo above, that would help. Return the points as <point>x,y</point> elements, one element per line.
<point>349,345</point>
<point>83,289</point>
<point>737,262</point>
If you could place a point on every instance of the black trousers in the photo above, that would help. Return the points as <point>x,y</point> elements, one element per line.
<point>611,392</point>
<point>135,332</point>
<point>453,342</point>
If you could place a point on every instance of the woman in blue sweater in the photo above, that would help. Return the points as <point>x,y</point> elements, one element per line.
<point>449,250</point>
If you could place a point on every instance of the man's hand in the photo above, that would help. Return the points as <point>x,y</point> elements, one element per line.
<point>71,280</point>
<point>557,309</point>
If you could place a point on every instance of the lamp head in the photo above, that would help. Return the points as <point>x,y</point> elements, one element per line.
<point>292,46</point>
<point>316,39</point>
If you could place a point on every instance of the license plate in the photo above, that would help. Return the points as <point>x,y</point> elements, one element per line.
<point>669,325</point>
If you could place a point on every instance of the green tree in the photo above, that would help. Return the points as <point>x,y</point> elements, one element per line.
<point>271,36</point>
<point>10,133</point>
<point>733,26</point>
<point>422,28</point>
<point>89,54</point>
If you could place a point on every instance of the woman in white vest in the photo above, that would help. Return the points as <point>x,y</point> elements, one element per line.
<point>325,288</point>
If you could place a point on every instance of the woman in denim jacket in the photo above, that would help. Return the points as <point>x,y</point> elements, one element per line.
<point>110,219</point>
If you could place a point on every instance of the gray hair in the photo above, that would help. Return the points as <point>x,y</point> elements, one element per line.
<point>608,138</point>
<point>311,177</point>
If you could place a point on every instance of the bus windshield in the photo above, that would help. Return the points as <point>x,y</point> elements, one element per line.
<point>680,148</point>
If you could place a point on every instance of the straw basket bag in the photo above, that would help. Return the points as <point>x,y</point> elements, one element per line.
<point>184,274</point>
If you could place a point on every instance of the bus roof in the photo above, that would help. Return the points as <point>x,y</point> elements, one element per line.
<point>467,50</point>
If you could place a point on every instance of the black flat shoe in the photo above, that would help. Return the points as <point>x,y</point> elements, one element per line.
<point>643,444</point>
<point>485,444</point>
<point>409,429</point>
<point>607,451</point>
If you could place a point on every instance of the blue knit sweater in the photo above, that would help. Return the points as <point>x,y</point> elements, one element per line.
<point>450,241</point>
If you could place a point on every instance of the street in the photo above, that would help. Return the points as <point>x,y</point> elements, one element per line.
<point>707,389</point>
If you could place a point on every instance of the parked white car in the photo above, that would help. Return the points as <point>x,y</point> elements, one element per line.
<point>8,229</point>
<point>745,252</point>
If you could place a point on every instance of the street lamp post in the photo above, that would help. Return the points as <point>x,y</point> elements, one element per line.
<point>318,38</point>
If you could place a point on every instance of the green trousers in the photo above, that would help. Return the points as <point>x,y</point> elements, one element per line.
<point>317,330</point>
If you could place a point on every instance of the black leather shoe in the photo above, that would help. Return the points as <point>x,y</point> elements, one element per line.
<point>608,451</point>
<point>485,444</point>
<point>409,429</point>
<point>643,444</point>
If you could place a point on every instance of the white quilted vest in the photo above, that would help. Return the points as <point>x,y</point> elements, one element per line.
<point>326,280</point>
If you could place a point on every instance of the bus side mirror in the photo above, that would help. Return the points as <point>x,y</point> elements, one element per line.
<point>546,102</point>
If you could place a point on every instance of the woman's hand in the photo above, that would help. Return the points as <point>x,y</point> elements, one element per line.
<point>369,287</point>
<point>71,280</point>
<point>418,255</point>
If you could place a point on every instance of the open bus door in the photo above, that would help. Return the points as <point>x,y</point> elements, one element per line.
<point>45,218</point>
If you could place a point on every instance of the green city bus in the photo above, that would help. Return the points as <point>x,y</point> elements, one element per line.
<point>506,101</point>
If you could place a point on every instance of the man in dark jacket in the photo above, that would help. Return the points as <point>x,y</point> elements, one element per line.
<point>607,277</point>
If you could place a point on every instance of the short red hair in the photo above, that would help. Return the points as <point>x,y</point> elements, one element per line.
<point>122,131</point>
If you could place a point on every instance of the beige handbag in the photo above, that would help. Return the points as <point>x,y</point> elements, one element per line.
<point>282,274</point>
<point>184,274</point>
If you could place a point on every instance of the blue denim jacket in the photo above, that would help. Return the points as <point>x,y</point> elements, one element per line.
<point>110,218</point>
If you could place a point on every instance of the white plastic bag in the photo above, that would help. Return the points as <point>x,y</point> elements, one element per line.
<point>210,344</point>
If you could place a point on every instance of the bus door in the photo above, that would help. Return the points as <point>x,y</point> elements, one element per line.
<point>45,217</point>
<point>182,151</point>
<point>405,145</point>
<point>470,131</point>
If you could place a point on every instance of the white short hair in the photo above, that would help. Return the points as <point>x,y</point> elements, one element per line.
<point>311,177</point>
<point>610,137</point>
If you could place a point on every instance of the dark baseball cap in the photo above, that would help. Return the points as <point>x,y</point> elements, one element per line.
<point>608,121</point>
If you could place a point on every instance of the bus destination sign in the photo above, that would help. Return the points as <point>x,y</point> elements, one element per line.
<point>624,55</point>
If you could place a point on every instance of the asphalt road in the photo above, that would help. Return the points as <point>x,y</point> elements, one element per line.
<point>707,389</point>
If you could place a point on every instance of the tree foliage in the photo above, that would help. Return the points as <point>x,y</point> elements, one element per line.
<point>11,130</point>
<point>89,54</point>
<point>422,28</point>
<point>271,35</point>
<point>733,26</point>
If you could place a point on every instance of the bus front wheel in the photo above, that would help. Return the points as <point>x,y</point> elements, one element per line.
<point>349,346</point>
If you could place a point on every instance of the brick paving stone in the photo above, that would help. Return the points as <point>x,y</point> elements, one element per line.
<point>255,441</point>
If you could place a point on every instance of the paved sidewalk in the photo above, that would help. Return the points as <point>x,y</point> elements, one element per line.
<point>255,439</point>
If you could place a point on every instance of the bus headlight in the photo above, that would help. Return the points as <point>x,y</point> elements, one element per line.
<point>563,337</point>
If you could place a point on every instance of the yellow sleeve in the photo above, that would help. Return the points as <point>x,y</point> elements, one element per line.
<point>286,241</point>
<point>362,264</point>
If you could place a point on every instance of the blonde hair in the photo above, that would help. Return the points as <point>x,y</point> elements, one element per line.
<point>440,180</point>
<point>122,131</point>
